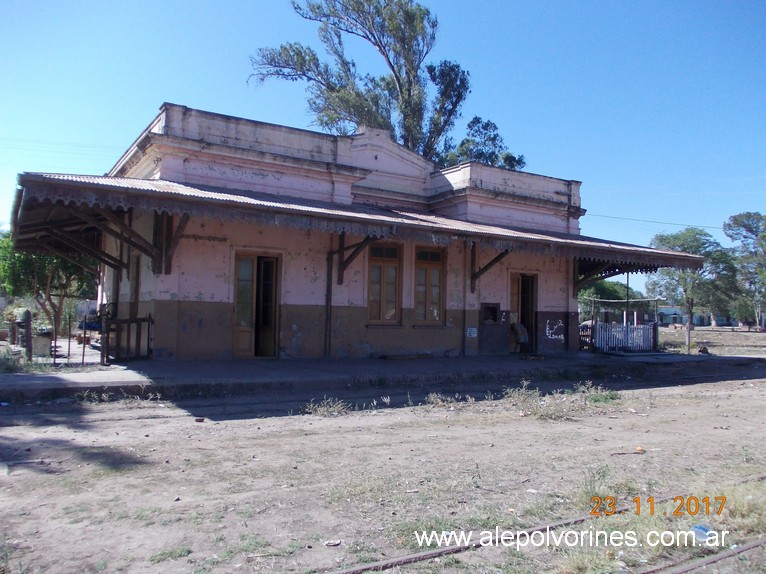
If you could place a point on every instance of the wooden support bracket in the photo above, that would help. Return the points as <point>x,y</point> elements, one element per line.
<point>476,272</point>
<point>167,239</point>
<point>64,255</point>
<point>600,273</point>
<point>177,234</point>
<point>118,229</point>
<point>98,254</point>
<point>344,262</point>
<point>582,280</point>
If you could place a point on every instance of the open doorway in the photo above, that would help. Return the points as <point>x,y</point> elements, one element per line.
<point>523,316</point>
<point>255,307</point>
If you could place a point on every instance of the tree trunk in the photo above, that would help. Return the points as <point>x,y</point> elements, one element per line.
<point>689,323</point>
<point>43,304</point>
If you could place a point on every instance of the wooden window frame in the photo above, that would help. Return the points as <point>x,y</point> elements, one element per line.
<point>386,256</point>
<point>429,265</point>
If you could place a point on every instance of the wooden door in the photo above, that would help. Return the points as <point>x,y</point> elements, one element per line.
<point>244,305</point>
<point>528,309</point>
<point>266,307</point>
<point>255,307</point>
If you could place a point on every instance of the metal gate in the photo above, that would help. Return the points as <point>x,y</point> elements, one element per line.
<point>612,337</point>
<point>126,339</point>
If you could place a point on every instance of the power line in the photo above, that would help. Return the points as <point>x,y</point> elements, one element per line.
<point>650,221</point>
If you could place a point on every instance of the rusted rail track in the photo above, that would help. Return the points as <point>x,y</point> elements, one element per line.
<point>685,566</point>
<point>449,550</point>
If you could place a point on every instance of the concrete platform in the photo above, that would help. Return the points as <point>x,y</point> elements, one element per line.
<point>188,379</point>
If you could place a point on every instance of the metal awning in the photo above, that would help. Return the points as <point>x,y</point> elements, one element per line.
<point>60,213</point>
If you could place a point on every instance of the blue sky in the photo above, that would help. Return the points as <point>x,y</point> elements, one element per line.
<point>657,107</point>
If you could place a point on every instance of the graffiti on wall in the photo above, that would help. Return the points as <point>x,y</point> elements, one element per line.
<point>555,330</point>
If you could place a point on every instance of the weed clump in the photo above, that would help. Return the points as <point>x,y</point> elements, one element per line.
<point>531,402</point>
<point>439,400</point>
<point>10,362</point>
<point>596,394</point>
<point>171,554</point>
<point>558,405</point>
<point>327,407</point>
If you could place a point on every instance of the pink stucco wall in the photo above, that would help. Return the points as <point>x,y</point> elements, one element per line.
<point>203,267</point>
<point>207,149</point>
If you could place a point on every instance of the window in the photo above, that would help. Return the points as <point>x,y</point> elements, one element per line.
<point>383,293</point>
<point>245,281</point>
<point>429,277</point>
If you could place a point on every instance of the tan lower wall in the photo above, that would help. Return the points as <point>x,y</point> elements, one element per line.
<point>303,334</point>
<point>352,336</point>
<point>203,330</point>
<point>554,332</point>
<point>192,330</point>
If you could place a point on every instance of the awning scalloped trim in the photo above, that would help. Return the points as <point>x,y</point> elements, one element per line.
<point>353,220</point>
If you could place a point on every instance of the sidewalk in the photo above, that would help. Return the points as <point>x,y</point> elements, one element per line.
<point>216,378</point>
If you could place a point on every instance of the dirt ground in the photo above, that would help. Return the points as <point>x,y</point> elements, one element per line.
<point>233,485</point>
<point>717,340</point>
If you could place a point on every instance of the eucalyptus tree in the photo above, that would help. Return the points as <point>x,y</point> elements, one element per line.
<point>484,144</point>
<point>748,229</point>
<point>714,285</point>
<point>416,101</point>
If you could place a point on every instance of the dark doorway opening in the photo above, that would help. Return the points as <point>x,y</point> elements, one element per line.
<point>256,305</point>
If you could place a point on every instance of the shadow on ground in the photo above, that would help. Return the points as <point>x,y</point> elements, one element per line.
<point>233,394</point>
<point>54,456</point>
<point>286,400</point>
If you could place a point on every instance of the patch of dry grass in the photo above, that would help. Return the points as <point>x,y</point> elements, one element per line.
<point>558,405</point>
<point>327,407</point>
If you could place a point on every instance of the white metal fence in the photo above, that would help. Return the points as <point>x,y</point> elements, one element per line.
<point>611,337</point>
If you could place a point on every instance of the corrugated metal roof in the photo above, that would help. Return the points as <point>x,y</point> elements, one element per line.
<point>178,198</point>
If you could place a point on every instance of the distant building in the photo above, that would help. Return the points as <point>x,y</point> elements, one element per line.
<point>669,315</point>
<point>247,239</point>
